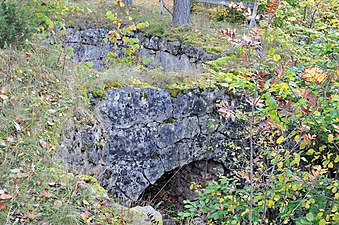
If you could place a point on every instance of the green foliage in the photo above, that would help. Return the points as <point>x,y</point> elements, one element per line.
<point>120,35</point>
<point>230,15</point>
<point>291,197</point>
<point>291,74</point>
<point>220,201</point>
<point>17,23</point>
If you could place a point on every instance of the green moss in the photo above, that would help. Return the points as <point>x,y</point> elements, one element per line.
<point>194,42</point>
<point>99,145</point>
<point>84,148</point>
<point>98,92</point>
<point>174,92</point>
<point>214,49</point>
<point>100,191</point>
<point>221,62</point>
<point>112,84</point>
<point>157,29</point>
<point>169,120</point>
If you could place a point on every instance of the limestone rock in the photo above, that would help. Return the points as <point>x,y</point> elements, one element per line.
<point>145,133</point>
<point>89,45</point>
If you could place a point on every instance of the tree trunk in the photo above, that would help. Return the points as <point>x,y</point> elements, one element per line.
<point>127,2</point>
<point>181,12</point>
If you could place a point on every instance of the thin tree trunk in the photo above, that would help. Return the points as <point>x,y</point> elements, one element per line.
<point>181,12</point>
<point>127,2</point>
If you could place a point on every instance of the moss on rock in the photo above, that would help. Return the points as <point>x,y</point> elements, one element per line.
<point>98,92</point>
<point>100,191</point>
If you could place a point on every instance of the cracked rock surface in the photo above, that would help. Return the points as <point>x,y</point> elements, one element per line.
<point>147,132</point>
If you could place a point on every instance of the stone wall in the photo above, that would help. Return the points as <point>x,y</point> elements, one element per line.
<point>88,46</point>
<point>145,133</point>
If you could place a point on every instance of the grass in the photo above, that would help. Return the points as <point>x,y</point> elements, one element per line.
<point>42,93</point>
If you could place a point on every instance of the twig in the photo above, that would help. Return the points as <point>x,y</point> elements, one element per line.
<point>252,153</point>
<point>162,188</point>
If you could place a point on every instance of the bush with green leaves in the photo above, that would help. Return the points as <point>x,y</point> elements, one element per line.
<point>292,86</point>
<point>291,198</point>
<point>17,23</point>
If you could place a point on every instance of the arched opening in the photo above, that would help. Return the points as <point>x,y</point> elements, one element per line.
<point>168,192</point>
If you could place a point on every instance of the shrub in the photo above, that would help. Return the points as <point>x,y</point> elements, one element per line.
<point>230,15</point>
<point>16,23</point>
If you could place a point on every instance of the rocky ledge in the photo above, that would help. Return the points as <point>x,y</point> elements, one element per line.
<point>89,46</point>
<point>145,133</point>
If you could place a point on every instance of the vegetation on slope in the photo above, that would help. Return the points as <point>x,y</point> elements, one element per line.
<point>288,67</point>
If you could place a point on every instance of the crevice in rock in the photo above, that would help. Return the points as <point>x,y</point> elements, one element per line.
<point>169,191</point>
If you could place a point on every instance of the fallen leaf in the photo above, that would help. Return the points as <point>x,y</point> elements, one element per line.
<point>4,97</point>
<point>4,90</point>
<point>2,205</point>
<point>13,101</point>
<point>314,74</point>
<point>97,205</point>
<point>272,6</point>
<point>85,215</point>
<point>45,194</point>
<point>51,111</point>
<point>57,203</point>
<point>28,215</point>
<point>22,175</point>
<point>5,197</point>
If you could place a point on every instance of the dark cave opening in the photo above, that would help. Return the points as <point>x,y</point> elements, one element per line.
<point>168,193</point>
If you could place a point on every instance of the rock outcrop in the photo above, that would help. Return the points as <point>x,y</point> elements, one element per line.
<point>147,132</point>
<point>89,46</point>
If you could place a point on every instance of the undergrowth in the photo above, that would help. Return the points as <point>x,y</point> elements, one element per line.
<point>41,93</point>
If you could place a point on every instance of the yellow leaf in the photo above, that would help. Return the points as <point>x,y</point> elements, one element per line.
<point>280,165</point>
<point>280,139</point>
<point>297,138</point>
<point>336,196</point>
<point>295,187</point>
<point>303,4</point>
<point>314,74</point>
<point>283,87</point>
<point>280,178</point>
<point>330,165</point>
<point>330,138</point>
<point>292,18</point>
<point>245,212</point>
<point>336,159</point>
<point>276,197</point>
<point>276,57</point>
<point>310,152</point>
<point>270,203</point>
<point>322,222</point>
